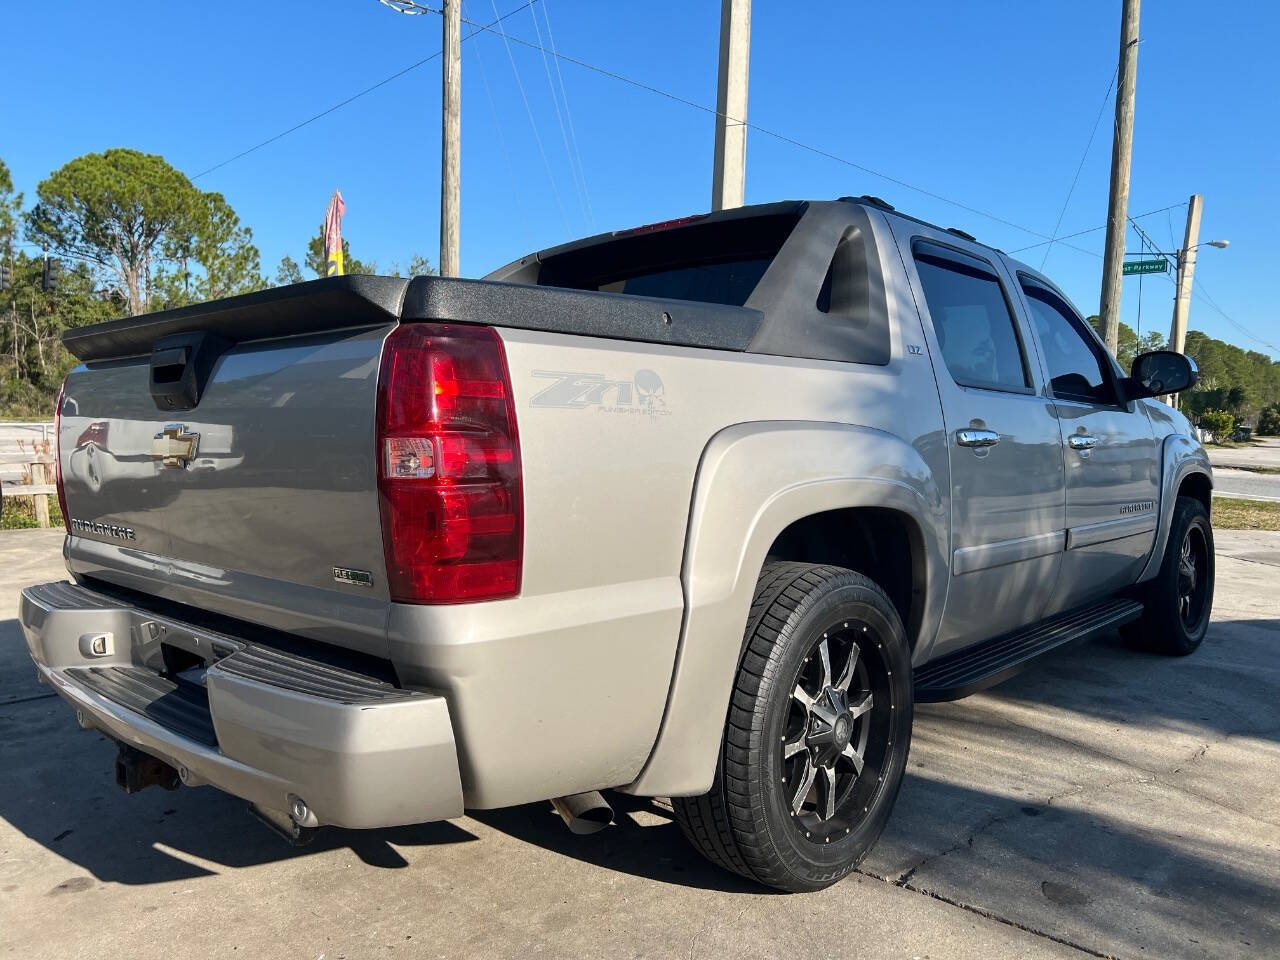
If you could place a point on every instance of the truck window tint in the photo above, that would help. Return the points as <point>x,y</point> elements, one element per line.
<point>717,261</point>
<point>971,319</point>
<point>1076,369</point>
<point>727,283</point>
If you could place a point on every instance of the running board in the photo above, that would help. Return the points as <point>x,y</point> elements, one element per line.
<point>993,661</point>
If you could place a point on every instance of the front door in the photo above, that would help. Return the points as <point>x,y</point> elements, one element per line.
<point>1109,451</point>
<point>1007,527</point>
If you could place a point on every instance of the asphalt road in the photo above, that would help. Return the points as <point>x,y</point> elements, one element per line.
<point>1231,480</point>
<point>1245,484</point>
<point>1107,803</point>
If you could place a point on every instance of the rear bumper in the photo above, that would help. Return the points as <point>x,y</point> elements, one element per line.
<point>264,725</point>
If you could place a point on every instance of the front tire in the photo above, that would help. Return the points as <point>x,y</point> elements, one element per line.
<point>1178,601</point>
<point>818,732</point>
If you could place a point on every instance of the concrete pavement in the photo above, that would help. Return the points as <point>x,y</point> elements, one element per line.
<point>1107,803</point>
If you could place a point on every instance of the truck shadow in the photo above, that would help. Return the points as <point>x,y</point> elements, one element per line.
<point>56,789</point>
<point>1230,686</point>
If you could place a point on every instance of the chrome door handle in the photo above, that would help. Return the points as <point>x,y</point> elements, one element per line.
<point>1080,441</point>
<point>977,438</point>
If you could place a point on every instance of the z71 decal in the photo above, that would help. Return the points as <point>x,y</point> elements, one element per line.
<point>644,394</point>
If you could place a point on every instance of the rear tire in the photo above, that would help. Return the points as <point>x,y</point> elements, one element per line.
<point>818,732</point>
<point>1178,601</point>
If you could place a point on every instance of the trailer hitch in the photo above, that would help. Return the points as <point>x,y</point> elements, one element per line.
<point>136,770</point>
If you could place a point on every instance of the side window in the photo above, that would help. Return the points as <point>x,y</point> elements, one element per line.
<point>971,318</point>
<point>1077,370</point>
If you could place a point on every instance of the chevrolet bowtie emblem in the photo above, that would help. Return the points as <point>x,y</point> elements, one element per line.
<point>173,446</point>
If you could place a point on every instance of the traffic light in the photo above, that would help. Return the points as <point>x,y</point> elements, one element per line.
<point>49,277</point>
<point>6,276</point>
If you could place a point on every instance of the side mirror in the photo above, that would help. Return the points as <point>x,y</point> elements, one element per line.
<point>1161,372</point>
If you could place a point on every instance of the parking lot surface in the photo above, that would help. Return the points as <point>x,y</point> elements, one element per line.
<point>1105,803</point>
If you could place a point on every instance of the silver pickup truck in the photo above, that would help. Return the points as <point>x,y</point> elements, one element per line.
<point>696,510</point>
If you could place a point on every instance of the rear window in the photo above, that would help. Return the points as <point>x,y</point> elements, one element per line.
<point>713,262</point>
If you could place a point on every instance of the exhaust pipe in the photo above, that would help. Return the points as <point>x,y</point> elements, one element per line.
<point>584,813</point>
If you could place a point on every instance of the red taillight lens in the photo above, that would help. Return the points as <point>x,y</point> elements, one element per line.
<point>448,465</point>
<point>57,456</point>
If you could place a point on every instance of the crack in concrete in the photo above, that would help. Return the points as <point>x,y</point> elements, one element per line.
<point>991,821</point>
<point>989,914</point>
<point>904,880</point>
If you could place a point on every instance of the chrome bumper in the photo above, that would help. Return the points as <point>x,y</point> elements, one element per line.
<point>264,725</point>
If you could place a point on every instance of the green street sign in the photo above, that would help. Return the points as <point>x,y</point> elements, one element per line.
<point>1146,266</point>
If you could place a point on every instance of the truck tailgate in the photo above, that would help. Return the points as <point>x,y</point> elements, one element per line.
<point>267,508</point>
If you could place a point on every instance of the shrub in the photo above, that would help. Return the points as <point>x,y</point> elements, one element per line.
<point>20,514</point>
<point>1269,421</point>
<point>1219,423</point>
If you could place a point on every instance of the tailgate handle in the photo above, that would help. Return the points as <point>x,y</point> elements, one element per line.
<point>181,366</point>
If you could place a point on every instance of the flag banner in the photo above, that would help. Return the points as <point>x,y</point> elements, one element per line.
<point>333,235</point>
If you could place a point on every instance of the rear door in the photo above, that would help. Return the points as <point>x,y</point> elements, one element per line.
<point>1003,441</point>
<point>1109,453</point>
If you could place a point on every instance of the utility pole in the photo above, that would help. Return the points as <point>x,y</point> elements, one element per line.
<point>1186,272</point>
<point>728,180</point>
<point>1121,156</point>
<point>451,138</point>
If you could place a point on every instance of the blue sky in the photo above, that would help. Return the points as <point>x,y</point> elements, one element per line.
<point>971,101</point>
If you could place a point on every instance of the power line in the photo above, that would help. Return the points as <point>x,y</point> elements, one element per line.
<point>1084,156</point>
<point>1081,233</point>
<point>564,133</point>
<point>355,96</point>
<point>502,142</point>
<point>532,122</point>
<point>621,78</point>
<point>564,95</point>
<point>1200,290</point>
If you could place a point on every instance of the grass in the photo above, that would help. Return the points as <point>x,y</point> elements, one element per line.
<point>20,514</point>
<point>1232,514</point>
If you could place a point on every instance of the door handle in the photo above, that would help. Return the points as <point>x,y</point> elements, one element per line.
<point>977,438</point>
<point>1081,441</point>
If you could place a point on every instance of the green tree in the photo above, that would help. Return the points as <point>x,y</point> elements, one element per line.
<point>419,266</point>
<point>142,224</point>
<point>34,360</point>
<point>1243,382</point>
<point>212,253</point>
<point>1128,343</point>
<point>316,262</point>
<point>287,272</point>
<point>1269,421</point>
<point>10,208</point>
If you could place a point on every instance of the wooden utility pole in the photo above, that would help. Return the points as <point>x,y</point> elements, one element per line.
<point>451,138</point>
<point>728,179</point>
<point>1121,157</point>
<point>1186,273</point>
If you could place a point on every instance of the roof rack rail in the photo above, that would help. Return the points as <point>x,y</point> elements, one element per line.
<point>960,233</point>
<point>867,198</point>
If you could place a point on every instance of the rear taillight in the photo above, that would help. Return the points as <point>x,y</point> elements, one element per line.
<point>57,457</point>
<point>448,465</point>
